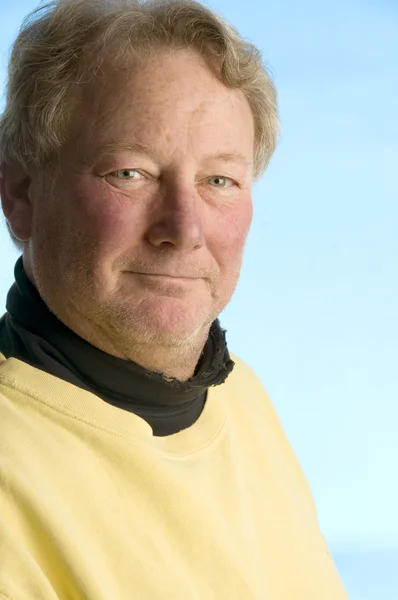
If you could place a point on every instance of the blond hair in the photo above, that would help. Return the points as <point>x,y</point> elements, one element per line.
<point>62,45</point>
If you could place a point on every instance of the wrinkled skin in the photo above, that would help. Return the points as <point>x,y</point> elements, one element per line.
<point>113,211</point>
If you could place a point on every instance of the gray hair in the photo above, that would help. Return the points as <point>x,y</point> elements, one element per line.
<point>64,44</point>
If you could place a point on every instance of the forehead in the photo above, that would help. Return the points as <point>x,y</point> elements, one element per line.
<point>172,99</point>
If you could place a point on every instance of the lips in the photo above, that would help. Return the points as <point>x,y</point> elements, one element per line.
<point>166,275</point>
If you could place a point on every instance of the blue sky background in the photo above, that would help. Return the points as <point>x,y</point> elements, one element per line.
<point>316,312</point>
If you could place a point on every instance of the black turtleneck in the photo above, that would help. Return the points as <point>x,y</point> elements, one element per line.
<point>30,332</point>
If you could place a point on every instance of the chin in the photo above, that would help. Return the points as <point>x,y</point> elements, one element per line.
<point>165,321</point>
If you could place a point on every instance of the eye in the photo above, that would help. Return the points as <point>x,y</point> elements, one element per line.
<point>127,174</point>
<point>221,182</point>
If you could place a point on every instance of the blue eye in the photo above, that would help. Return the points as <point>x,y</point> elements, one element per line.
<point>221,181</point>
<point>127,174</point>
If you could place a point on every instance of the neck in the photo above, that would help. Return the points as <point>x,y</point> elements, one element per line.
<point>172,362</point>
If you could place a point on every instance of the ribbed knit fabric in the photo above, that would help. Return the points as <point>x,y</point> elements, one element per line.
<point>93,506</point>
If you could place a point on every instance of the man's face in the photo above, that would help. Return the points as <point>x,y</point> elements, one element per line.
<point>141,237</point>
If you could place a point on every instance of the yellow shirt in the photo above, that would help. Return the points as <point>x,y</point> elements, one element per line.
<point>94,507</point>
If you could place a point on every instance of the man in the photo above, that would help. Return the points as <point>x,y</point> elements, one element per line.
<point>137,459</point>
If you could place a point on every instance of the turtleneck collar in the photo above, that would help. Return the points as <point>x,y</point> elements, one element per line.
<point>31,332</point>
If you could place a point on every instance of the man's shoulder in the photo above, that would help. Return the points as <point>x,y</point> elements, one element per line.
<point>242,370</point>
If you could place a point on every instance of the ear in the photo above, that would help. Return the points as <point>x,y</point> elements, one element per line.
<point>15,187</point>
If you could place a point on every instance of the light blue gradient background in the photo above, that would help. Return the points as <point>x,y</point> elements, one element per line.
<point>315,312</point>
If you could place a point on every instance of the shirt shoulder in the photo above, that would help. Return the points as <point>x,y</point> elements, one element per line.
<point>267,418</point>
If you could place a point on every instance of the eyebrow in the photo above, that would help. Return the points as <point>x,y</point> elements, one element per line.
<point>150,150</point>
<point>135,148</point>
<point>230,157</point>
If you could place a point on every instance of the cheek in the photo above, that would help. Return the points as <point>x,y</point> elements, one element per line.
<point>229,235</point>
<point>106,220</point>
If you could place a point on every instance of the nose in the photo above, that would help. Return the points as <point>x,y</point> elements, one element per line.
<point>178,220</point>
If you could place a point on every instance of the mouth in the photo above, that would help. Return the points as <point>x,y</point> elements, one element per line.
<point>165,280</point>
<point>166,276</point>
